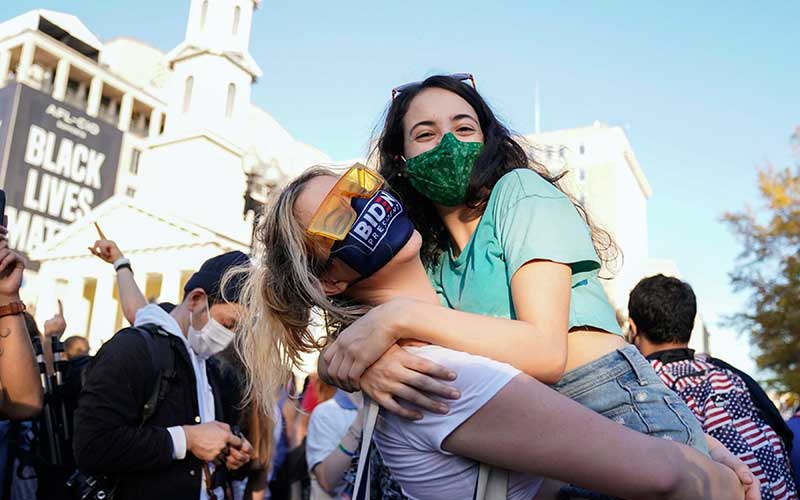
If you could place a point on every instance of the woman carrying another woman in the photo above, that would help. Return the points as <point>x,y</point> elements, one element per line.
<point>345,246</point>
<point>503,242</point>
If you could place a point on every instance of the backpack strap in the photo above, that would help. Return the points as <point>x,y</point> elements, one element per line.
<point>159,344</point>
<point>492,482</point>
<point>361,490</point>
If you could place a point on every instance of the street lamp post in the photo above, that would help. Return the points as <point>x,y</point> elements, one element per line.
<point>262,180</point>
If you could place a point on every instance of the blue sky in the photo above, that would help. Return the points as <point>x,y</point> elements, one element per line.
<point>706,91</point>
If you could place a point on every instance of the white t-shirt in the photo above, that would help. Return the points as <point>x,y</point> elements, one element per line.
<point>327,426</point>
<point>413,449</point>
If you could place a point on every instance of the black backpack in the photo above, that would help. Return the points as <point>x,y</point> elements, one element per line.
<point>159,345</point>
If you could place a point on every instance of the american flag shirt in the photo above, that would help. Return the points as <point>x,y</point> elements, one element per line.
<point>722,403</point>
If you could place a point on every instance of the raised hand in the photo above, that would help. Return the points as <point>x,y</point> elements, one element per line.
<point>105,248</point>
<point>55,326</point>
<point>12,266</point>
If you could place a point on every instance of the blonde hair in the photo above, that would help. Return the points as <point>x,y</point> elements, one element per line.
<point>260,433</point>
<point>281,288</point>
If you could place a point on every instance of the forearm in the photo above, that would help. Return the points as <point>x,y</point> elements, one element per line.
<point>538,354</point>
<point>130,296</point>
<point>560,434</point>
<point>330,472</point>
<point>19,372</point>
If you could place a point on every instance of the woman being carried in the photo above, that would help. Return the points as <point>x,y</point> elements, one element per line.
<point>514,259</point>
<point>503,418</point>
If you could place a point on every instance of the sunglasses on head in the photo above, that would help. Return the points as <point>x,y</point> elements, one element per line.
<point>461,77</point>
<point>335,216</point>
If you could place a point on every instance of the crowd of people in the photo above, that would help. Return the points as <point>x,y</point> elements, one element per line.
<point>470,351</point>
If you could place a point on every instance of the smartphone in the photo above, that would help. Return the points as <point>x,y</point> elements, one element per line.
<point>2,207</point>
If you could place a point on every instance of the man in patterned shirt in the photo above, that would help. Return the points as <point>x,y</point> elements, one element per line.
<point>794,424</point>
<point>661,312</point>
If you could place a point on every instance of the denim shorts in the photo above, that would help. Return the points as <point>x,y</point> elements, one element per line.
<point>623,386</point>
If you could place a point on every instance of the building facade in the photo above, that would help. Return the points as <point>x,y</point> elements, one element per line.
<point>165,151</point>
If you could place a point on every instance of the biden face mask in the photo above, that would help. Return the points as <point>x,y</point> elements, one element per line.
<point>381,230</point>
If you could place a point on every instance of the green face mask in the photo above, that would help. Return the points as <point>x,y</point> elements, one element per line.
<point>442,174</point>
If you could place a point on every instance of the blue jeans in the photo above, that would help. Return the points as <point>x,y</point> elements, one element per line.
<point>623,386</point>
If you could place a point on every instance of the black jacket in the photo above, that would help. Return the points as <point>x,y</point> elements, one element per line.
<point>109,437</point>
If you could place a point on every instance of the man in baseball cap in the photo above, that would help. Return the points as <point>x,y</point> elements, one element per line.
<point>175,453</point>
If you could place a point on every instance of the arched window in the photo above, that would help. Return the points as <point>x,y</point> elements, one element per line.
<point>237,13</point>
<point>203,14</point>
<point>187,94</point>
<point>230,101</point>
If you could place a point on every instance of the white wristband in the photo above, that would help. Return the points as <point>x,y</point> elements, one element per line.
<point>120,262</point>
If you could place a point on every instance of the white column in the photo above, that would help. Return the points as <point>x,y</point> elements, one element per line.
<point>155,123</point>
<point>46,301</point>
<point>125,112</point>
<point>76,307</point>
<point>25,60</point>
<point>105,311</point>
<point>95,95</point>
<point>5,65</point>
<point>171,286</point>
<point>62,77</point>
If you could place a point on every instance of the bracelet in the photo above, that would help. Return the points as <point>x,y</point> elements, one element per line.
<point>122,262</point>
<point>347,452</point>
<point>12,309</point>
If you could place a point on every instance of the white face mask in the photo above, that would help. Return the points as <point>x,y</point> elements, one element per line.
<point>209,340</point>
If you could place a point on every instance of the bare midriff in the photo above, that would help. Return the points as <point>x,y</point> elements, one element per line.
<point>585,345</point>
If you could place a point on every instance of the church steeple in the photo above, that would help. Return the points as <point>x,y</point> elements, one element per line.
<point>212,69</point>
<point>220,24</point>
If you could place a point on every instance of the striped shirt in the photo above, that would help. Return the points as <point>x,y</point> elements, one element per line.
<point>722,403</point>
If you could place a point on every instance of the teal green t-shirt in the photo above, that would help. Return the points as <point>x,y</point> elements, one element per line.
<point>526,218</point>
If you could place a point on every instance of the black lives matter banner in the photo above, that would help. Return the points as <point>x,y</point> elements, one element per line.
<point>57,164</point>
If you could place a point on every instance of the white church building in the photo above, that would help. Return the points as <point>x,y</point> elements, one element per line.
<point>194,149</point>
<point>180,157</point>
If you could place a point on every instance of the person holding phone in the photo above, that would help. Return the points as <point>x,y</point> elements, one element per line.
<point>187,446</point>
<point>21,396</point>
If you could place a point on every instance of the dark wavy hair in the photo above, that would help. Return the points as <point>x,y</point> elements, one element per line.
<point>501,154</point>
<point>663,309</point>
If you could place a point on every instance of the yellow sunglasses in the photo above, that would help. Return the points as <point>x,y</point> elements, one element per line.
<point>335,216</point>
